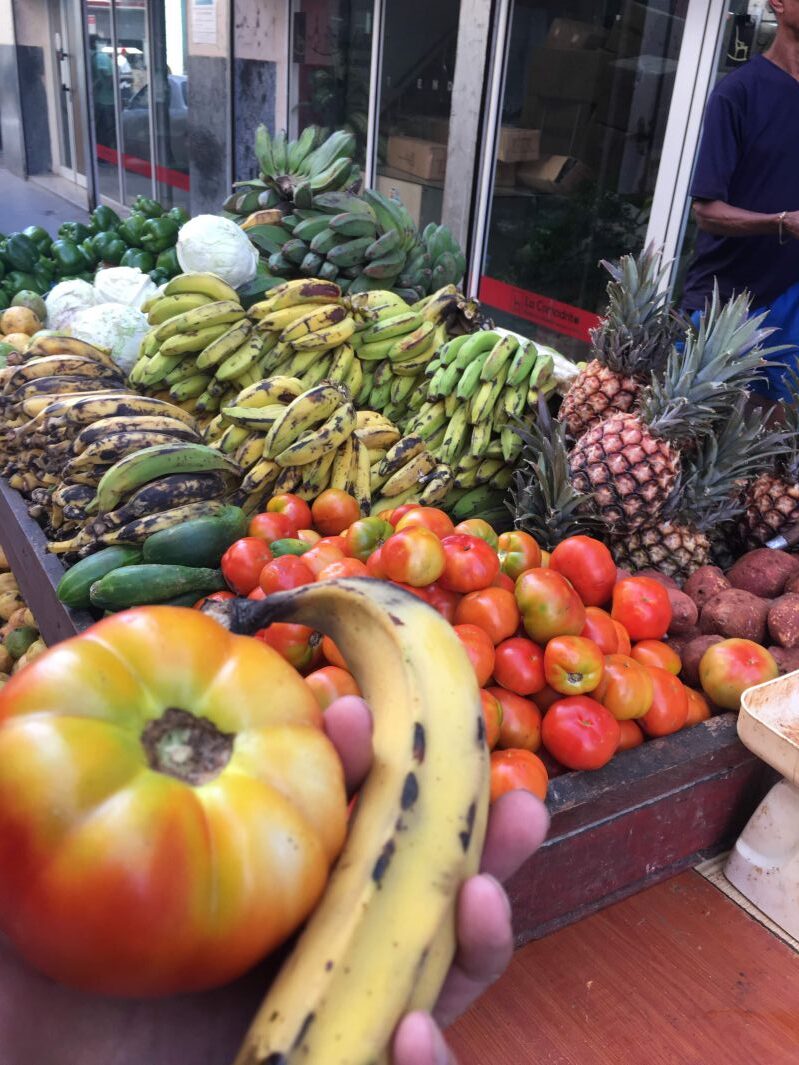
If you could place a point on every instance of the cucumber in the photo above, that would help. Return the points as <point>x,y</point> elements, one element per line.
<point>200,542</point>
<point>139,585</point>
<point>288,546</point>
<point>73,588</point>
<point>19,640</point>
<point>189,599</point>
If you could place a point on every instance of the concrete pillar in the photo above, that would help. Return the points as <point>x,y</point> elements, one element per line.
<point>210,134</point>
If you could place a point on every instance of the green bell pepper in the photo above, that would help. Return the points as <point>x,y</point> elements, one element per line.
<point>168,263</point>
<point>20,253</point>
<point>77,232</point>
<point>131,230</point>
<point>17,281</point>
<point>159,277</point>
<point>158,234</point>
<point>86,248</point>
<point>103,218</point>
<point>40,237</point>
<point>67,256</point>
<point>47,267</point>
<point>109,247</point>
<point>149,208</point>
<point>144,260</point>
<point>45,276</point>
<point>180,215</point>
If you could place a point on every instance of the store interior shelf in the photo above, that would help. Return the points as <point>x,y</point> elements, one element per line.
<point>37,571</point>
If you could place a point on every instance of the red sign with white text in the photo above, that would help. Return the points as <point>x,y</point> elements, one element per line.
<point>544,311</point>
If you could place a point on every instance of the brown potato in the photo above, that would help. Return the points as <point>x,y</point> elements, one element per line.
<point>783,620</point>
<point>684,612</point>
<point>705,583</point>
<point>736,613</point>
<point>691,657</point>
<point>763,572</point>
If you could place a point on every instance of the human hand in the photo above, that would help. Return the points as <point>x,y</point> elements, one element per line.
<point>517,825</point>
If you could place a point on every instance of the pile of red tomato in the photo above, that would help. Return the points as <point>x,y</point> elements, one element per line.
<point>570,659</point>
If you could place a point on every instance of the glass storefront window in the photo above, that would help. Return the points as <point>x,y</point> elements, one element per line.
<point>415,101</point>
<point>587,94</point>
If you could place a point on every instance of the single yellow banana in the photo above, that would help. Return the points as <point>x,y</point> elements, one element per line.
<point>325,339</point>
<point>342,464</point>
<point>410,475</point>
<point>270,390</point>
<point>303,290</point>
<point>315,321</point>
<point>326,437</point>
<point>307,410</point>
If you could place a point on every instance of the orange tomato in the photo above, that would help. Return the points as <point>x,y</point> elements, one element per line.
<point>374,564</point>
<point>330,683</point>
<point>334,511</point>
<point>502,580</point>
<point>669,710</point>
<point>519,666</point>
<point>493,609</point>
<point>413,556</point>
<point>518,551</point>
<point>280,574</point>
<point>297,509</point>
<point>513,770</point>
<point>626,688</point>
<point>430,517</point>
<point>630,735</point>
<point>625,646</point>
<point>478,527</point>
<point>332,653</point>
<point>698,708</point>
<point>573,665</point>
<point>480,650</point>
<point>272,526</point>
<point>601,628</point>
<point>521,721</point>
<point>549,605</point>
<point>643,607</point>
<point>344,567</point>
<point>657,653</point>
<point>492,716</point>
<point>317,558</point>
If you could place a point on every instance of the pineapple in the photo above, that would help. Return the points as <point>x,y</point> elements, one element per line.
<point>630,463</point>
<point>771,500</point>
<point>708,496</point>
<point>630,344</point>
<point>545,504</point>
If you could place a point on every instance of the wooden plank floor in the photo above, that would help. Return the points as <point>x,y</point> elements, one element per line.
<point>676,975</point>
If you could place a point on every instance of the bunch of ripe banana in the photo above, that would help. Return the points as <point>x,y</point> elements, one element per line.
<point>479,386</point>
<point>152,488</point>
<point>292,171</point>
<point>201,349</point>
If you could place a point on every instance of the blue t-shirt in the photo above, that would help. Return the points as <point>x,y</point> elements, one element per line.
<point>749,158</point>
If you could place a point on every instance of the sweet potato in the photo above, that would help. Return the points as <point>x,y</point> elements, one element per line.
<point>792,584</point>
<point>783,620</point>
<point>691,657</point>
<point>684,612</point>
<point>677,643</point>
<point>656,575</point>
<point>763,572</point>
<point>735,613</point>
<point>787,658</point>
<point>705,583</point>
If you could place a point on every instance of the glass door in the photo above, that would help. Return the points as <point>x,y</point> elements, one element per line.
<point>101,37</point>
<point>70,151</point>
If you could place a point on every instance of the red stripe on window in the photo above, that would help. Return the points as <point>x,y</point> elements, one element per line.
<point>542,310</point>
<point>135,165</point>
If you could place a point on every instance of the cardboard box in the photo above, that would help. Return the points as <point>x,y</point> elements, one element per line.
<point>553,173</point>
<point>424,202</point>
<point>621,161</point>
<point>571,33</point>
<point>642,29</point>
<point>505,174</point>
<point>518,145</point>
<point>635,94</point>
<point>565,74</point>
<point>563,126</point>
<point>434,129</point>
<point>423,159</point>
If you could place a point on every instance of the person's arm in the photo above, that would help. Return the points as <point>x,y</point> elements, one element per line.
<point>723,220</point>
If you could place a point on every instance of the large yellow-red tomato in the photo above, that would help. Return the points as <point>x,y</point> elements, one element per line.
<point>549,605</point>
<point>169,805</point>
<point>734,666</point>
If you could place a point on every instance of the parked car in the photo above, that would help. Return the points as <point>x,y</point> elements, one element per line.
<point>173,150</point>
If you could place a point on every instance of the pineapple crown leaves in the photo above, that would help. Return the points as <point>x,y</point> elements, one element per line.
<point>640,324</point>
<point>708,491</point>
<point>544,501</point>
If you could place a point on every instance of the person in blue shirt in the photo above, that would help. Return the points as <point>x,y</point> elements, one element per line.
<point>745,192</point>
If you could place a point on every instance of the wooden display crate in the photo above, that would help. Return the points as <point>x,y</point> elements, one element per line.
<point>650,813</point>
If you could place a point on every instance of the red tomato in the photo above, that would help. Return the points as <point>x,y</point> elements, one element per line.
<point>257,593</point>
<point>366,535</point>
<point>332,653</point>
<point>480,650</point>
<point>657,653</point>
<point>642,606</point>
<point>698,708</point>
<point>728,668</point>
<point>414,556</point>
<point>283,573</point>
<point>330,683</point>
<point>399,512</point>
<point>502,580</point>
<point>374,564</point>
<point>601,628</point>
<point>298,644</point>
<point>430,517</point>
<point>580,732</point>
<point>340,542</point>
<point>630,736</point>
<point>493,609</point>
<point>521,721</point>
<point>294,507</point>
<point>519,666</point>
<point>213,597</point>
<point>345,567</point>
<point>669,710</point>
<point>549,605</point>
<point>317,558</point>
<point>242,563</point>
<point>386,515</point>
<point>626,688</point>
<point>309,536</point>
<point>514,770</point>
<point>518,551</point>
<point>420,593</point>
<point>469,563</point>
<point>625,647</point>
<point>589,566</point>
<point>271,527</point>
<point>442,600</point>
<point>334,511</point>
<point>545,698</point>
<point>478,527</point>
<point>573,665</point>
<point>492,716</point>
